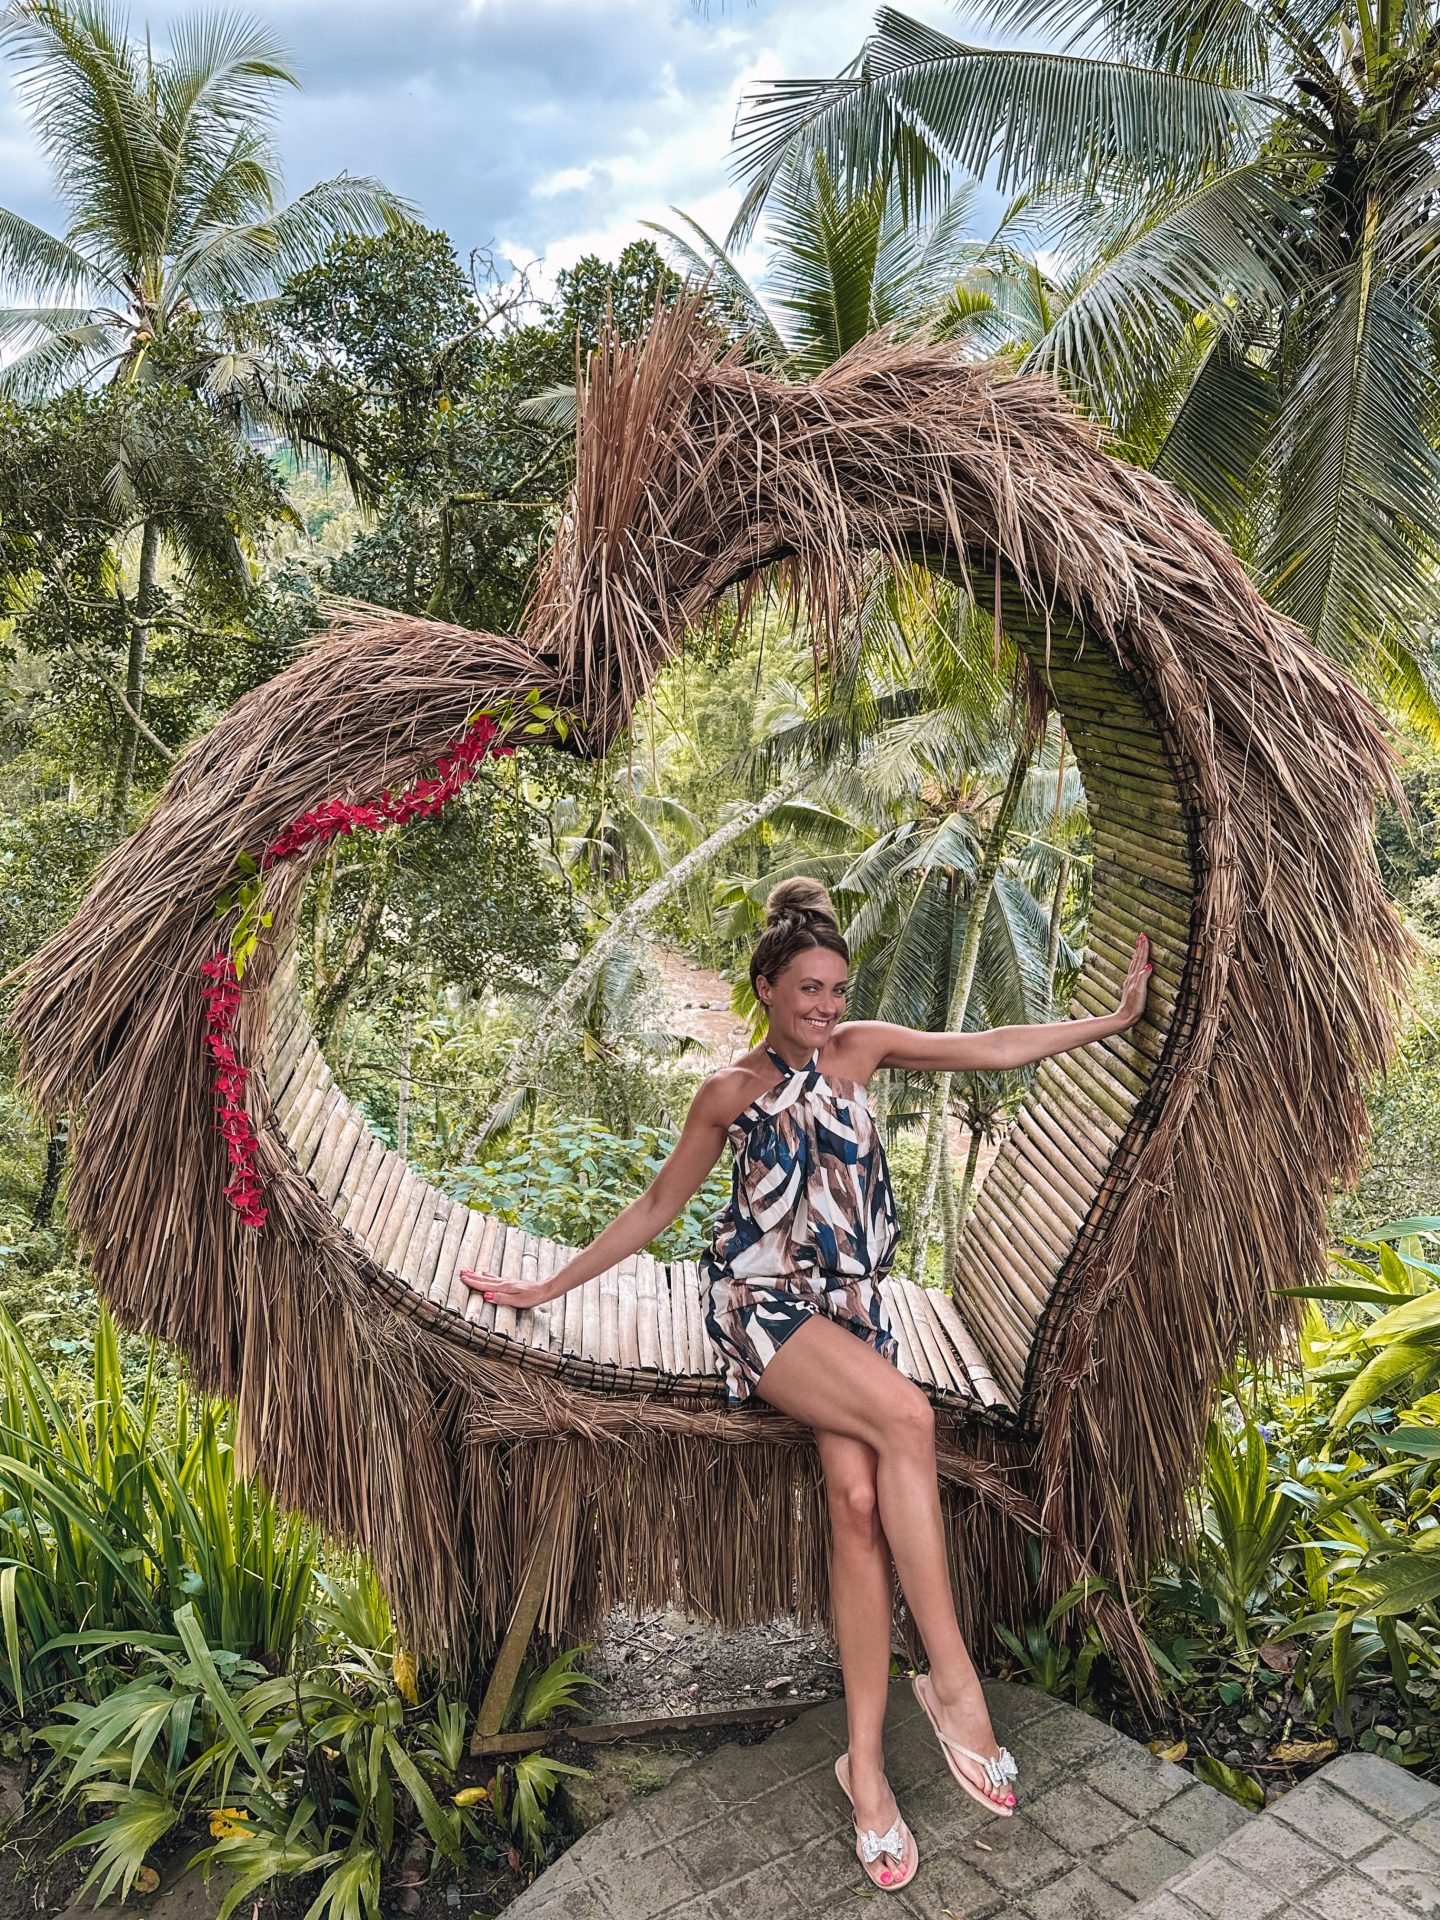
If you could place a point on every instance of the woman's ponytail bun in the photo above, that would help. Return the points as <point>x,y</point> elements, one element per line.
<point>799,915</point>
<point>800,901</point>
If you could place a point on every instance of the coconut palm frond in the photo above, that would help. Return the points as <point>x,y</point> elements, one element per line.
<point>1352,544</point>
<point>743,309</point>
<point>919,107</point>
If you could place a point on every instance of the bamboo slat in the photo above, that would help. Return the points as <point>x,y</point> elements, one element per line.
<point>457,1298</point>
<point>641,1277</point>
<point>325,1138</point>
<point>411,1199</point>
<point>590,1320</point>
<point>983,1383</point>
<point>571,1340</point>
<point>319,1104</point>
<point>512,1267</point>
<point>927,1349</point>
<point>610,1295</point>
<point>949,1369</point>
<point>347,1147</point>
<point>287,1028</point>
<point>448,1256</point>
<point>685,1357</point>
<point>1144,903</point>
<point>910,1364</point>
<point>286,1042</point>
<point>372,1207</point>
<point>1015,1254</point>
<point>1076,1175</point>
<point>664,1325</point>
<point>288,1096</point>
<point>1031,1268</point>
<point>627,1321</point>
<point>356,1184</point>
<point>547,1318</point>
<point>1037,1245</point>
<point>417,1263</point>
<point>702,1351</point>
<point>986,1302</point>
<point>531,1325</point>
<point>488,1250</point>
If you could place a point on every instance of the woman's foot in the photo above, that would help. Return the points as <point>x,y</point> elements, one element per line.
<point>959,1715</point>
<point>876,1811</point>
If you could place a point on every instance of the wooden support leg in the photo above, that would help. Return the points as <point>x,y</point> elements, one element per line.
<point>511,1652</point>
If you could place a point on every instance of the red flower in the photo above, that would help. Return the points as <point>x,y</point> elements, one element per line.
<point>221,993</point>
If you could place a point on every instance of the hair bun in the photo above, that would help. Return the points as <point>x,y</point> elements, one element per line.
<point>800,902</point>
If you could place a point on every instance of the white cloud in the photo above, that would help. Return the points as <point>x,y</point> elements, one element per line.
<point>560,125</point>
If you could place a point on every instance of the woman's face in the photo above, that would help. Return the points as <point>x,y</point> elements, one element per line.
<point>806,998</point>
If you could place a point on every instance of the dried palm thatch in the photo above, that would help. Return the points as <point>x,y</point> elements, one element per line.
<point>1156,1194</point>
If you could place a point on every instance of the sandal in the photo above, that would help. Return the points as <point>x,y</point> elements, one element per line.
<point>899,1843</point>
<point>1000,1768</point>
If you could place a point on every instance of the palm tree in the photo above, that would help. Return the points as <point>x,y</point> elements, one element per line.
<point>844,262</point>
<point>956,888</point>
<point>1245,196</point>
<point>176,235</point>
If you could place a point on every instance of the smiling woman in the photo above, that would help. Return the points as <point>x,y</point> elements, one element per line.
<point>1160,1185</point>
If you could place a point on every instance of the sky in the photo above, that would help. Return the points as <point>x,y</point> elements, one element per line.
<point>537,129</point>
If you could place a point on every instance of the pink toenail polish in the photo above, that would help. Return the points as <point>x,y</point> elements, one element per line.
<point>885,1877</point>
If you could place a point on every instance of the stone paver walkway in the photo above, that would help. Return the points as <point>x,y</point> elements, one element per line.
<point>762,1832</point>
<point>1360,1840</point>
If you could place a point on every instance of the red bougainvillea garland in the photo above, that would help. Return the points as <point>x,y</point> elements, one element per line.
<point>225,969</point>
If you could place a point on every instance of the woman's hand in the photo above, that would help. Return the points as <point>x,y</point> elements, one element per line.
<point>1137,984</point>
<point>509,1293</point>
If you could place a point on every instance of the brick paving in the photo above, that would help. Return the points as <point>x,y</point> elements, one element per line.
<point>1105,1828</point>
<point>1360,1840</point>
<point>763,1830</point>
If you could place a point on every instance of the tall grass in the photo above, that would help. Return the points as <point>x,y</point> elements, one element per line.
<point>117,1509</point>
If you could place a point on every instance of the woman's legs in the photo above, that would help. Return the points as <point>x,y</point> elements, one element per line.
<point>833,1382</point>
<point>861,1595</point>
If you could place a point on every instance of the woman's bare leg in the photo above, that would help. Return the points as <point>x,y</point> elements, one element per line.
<point>861,1596</point>
<point>833,1382</point>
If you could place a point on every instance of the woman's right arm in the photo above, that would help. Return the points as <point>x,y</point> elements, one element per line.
<point>701,1142</point>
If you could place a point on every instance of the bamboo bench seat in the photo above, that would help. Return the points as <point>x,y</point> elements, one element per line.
<point>637,1328</point>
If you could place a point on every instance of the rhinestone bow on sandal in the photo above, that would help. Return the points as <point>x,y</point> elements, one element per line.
<point>870,1847</point>
<point>999,1768</point>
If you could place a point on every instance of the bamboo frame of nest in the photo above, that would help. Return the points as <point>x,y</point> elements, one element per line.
<point>696,472</point>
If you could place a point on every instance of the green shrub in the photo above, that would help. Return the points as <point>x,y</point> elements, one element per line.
<point>117,1509</point>
<point>571,1177</point>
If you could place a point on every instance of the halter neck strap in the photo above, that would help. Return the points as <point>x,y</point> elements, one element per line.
<point>810,1066</point>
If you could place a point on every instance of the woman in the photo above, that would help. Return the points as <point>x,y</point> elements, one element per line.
<point>793,1271</point>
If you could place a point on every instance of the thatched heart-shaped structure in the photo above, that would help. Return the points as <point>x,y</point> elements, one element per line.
<point>1155,1195</point>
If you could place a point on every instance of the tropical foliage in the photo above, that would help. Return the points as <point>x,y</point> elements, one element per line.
<point>1239,202</point>
<point>1304,1612</point>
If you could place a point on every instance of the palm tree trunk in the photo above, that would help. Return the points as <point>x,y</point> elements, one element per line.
<point>949,1212</point>
<point>922,1228</point>
<point>1052,944</point>
<point>402,1094</point>
<point>529,1051</point>
<point>135,672</point>
<point>56,1149</point>
<point>334,986</point>
<point>967,1182</point>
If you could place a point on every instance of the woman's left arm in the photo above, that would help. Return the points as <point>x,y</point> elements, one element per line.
<point>1000,1047</point>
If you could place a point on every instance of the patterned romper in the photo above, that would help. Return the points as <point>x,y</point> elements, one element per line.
<point>810,1226</point>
